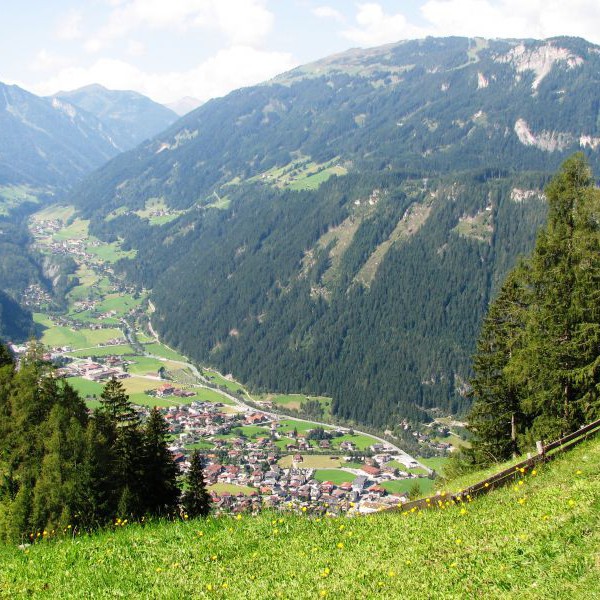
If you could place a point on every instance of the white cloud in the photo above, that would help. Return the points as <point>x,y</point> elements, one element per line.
<point>513,18</point>
<point>375,27</point>
<point>227,70</point>
<point>47,61</point>
<point>135,48</point>
<point>69,26</point>
<point>328,12</point>
<point>485,18</point>
<point>241,21</point>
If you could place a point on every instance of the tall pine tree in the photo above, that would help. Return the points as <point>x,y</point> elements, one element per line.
<point>160,470</point>
<point>196,499</point>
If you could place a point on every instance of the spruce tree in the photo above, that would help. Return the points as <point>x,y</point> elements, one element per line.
<point>496,418</point>
<point>115,403</point>
<point>560,360</point>
<point>6,357</point>
<point>126,449</point>
<point>196,499</point>
<point>537,365</point>
<point>160,470</point>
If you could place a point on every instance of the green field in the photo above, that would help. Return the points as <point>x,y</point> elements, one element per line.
<point>436,463</point>
<point>208,395</point>
<point>400,486</point>
<point>83,338</point>
<point>164,352</point>
<point>77,230</point>
<point>336,476</point>
<point>287,425</point>
<point>85,387</point>
<point>314,180</point>
<point>313,461</point>
<point>360,441</point>
<point>108,252</point>
<point>217,379</point>
<point>144,365</point>
<point>251,431</point>
<point>11,196</point>
<point>117,350</point>
<point>231,488</point>
<point>540,542</point>
<point>54,211</point>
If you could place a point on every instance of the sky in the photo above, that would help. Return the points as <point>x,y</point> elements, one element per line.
<point>170,49</point>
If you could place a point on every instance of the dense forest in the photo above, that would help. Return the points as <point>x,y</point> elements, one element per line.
<point>342,229</point>
<point>63,470</point>
<point>537,365</point>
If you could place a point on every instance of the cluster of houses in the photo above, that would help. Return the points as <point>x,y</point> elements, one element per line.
<point>254,464</point>
<point>35,296</point>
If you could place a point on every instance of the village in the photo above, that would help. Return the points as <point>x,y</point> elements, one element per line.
<point>254,457</point>
<point>275,475</point>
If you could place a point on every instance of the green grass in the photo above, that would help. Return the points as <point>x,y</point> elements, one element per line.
<point>85,387</point>
<point>231,488</point>
<point>313,461</point>
<point>548,546</point>
<point>11,196</point>
<point>426,485</point>
<point>207,395</point>
<point>336,476</point>
<point>109,252</point>
<point>313,181</point>
<point>217,379</point>
<point>118,350</point>
<point>436,463</point>
<point>82,338</point>
<point>287,425</point>
<point>145,365</point>
<point>360,441</point>
<point>252,431</point>
<point>160,350</point>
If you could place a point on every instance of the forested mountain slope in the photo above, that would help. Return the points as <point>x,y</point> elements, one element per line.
<point>15,323</point>
<point>341,229</point>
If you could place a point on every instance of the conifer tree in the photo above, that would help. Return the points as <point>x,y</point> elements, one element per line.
<point>160,470</point>
<point>537,364</point>
<point>115,403</point>
<point>560,360</point>
<point>5,356</point>
<point>196,499</point>
<point>496,418</point>
<point>126,449</point>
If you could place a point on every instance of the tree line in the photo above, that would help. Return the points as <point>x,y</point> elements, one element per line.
<point>537,364</point>
<point>63,469</point>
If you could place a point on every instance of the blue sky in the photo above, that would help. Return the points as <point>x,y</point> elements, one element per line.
<point>168,49</point>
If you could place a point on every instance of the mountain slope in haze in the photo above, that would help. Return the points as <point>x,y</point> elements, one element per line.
<point>340,229</point>
<point>130,117</point>
<point>48,143</point>
<point>15,323</point>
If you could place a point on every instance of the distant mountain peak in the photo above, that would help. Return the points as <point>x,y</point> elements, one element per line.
<point>129,116</point>
<point>184,105</point>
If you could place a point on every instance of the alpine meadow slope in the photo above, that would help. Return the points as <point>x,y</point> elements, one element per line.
<point>341,229</point>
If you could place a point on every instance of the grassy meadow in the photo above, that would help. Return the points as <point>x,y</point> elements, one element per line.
<point>538,539</point>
